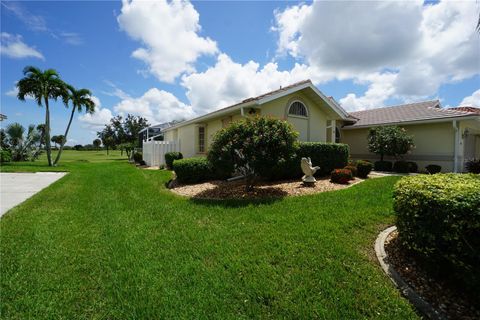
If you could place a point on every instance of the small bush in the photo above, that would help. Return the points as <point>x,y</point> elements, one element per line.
<point>353,169</point>
<point>401,167</point>
<point>142,163</point>
<point>341,176</point>
<point>473,166</point>
<point>438,217</point>
<point>433,168</point>
<point>413,166</point>
<point>193,170</point>
<point>5,156</point>
<point>170,157</point>
<point>137,157</point>
<point>383,166</point>
<point>364,168</point>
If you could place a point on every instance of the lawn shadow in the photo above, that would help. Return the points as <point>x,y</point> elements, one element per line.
<point>233,195</point>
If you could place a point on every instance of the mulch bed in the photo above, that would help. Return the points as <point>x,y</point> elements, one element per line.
<point>236,189</point>
<point>439,292</point>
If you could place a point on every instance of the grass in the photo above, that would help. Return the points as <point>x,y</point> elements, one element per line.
<point>69,159</point>
<point>108,241</point>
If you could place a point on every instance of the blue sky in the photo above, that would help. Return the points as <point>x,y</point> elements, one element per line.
<point>170,61</point>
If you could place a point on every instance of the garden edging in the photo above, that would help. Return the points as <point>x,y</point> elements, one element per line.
<point>420,304</point>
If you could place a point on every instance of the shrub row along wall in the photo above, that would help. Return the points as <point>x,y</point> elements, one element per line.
<point>438,217</point>
<point>194,170</point>
<point>327,156</point>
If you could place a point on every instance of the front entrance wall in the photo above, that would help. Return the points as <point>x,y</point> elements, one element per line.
<point>434,144</point>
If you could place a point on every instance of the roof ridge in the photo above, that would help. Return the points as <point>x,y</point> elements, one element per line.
<point>277,90</point>
<point>397,105</point>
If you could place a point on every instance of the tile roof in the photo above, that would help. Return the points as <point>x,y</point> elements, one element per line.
<point>427,110</point>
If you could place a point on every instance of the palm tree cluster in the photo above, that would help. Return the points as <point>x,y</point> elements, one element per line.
<point>21,145</point>
<point>47,85</point>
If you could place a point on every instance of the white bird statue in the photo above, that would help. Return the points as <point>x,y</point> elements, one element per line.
<point>308,171</point>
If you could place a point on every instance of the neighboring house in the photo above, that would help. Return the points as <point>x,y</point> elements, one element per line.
<point>442,136</point>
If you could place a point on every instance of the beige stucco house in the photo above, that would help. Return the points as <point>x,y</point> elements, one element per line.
<point>442,136</point>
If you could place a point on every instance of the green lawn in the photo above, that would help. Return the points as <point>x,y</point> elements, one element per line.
<point>108,241</point>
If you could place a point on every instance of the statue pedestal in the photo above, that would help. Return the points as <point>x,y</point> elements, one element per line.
<point>309,181</point>
<point>309,184</point>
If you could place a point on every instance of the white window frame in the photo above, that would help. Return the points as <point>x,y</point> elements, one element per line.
<point>201,148</point>
<point>297,115</point>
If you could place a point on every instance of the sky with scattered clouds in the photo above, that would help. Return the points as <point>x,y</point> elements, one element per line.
<point>174,60</point>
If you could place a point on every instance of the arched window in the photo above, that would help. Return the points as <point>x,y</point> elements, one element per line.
<point>297,109</point>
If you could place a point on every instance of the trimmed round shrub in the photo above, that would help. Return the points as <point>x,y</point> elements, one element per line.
<point>5,156</point>
<point>401,167</point>
<point>137,157</point>
<point>353,169</point>
<point>438,217</point>
<point>252,147</point>
<point>433,168</point>
<point>172,156</point>
<point>473,165</point>
<point>364,168</point>
<point>413,166</point>
<point>383,166</point>
<point>193,170</point>
<point>341,176</point>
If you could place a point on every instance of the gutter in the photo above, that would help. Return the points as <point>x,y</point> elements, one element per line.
<point>433,120</point>
<point>213,114</point>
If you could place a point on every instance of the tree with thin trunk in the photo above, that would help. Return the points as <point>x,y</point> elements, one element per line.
<point>42,86</point>
<point>79,98</point>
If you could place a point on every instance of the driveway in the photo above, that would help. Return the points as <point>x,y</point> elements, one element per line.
<point>18,187</point>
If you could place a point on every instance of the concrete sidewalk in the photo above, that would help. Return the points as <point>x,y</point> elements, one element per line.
<point>18,187</point>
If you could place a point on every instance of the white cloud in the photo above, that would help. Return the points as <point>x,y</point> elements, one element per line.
<point>157,106</point>
<point>97,120</point>
<point>33,22</point>
<point>72,38</point>
<point>228,82</point>
<point>14,47</point>
<point>425,46</point>
<point>12,92</point>
<point>473,100</point>
<point>169,32</point>
<point>380,89</point>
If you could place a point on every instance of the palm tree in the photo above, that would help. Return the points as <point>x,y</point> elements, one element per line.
<point>79,98</point>
<point>42,86</point>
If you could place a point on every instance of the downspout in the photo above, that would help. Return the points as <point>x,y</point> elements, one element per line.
<point>455,147</point>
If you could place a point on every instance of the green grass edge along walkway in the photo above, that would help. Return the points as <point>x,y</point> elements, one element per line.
<point>108,241</point>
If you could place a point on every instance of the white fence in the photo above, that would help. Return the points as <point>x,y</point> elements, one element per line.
<point>154,151</point>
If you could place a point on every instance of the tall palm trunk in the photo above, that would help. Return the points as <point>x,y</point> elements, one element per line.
<point>48,146</point>
<point>65,137</point>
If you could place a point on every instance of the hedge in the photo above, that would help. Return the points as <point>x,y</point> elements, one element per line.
<point>193,170</point>
<point>438,217</point>
<point>383,165</point>
<point>433,168</point>
<point>401,166</point>
<point>328,156</point>
<point>170,157</point>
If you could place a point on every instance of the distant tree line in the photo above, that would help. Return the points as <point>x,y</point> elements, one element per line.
<point>122,133</point>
